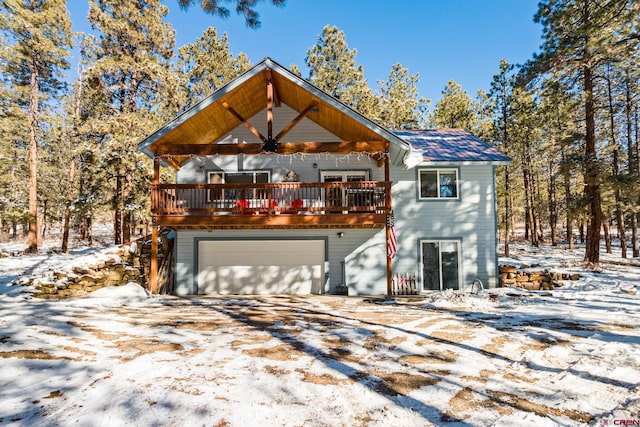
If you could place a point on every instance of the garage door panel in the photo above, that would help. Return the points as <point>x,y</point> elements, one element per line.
<point>261,267</point>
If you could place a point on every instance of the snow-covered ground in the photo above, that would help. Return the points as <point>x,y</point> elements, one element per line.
<point>504,357</point>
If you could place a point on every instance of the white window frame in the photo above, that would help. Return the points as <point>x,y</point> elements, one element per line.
<point>459,266</point>
<point>223,175</point>
<point>344,174</point>
<point>438,172</point>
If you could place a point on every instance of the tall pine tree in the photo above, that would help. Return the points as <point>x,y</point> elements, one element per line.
<point>401,106</point>
<point>333,69</point>
<point>580,36</point>
<point>207,64</point>
<point>38,33</point>
<point>131,86</point>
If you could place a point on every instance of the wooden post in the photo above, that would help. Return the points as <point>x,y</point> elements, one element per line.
<point>388,202</point>
<point>153,271</point>
<point>269,109</point>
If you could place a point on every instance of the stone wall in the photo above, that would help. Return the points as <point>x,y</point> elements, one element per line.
<point>532,279</point>
<point>115,267</point>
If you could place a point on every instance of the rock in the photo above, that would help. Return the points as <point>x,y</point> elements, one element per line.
<point>82,270</point>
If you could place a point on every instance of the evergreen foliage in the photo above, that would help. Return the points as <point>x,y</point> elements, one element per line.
<point>569,117</point>
<point>246,8</point>
<point>38,36</point>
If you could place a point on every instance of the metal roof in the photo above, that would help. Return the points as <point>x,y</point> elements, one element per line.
<point>451,145</point>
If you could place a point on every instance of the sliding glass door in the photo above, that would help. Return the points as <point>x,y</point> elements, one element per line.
<point>440,265</point>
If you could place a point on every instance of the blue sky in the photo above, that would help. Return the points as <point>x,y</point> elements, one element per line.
<point>441,40</point>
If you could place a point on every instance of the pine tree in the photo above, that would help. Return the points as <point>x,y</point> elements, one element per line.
<point>129,86</point>
<point>208,64</point>
<point>401,106</point>
<point>333,69</point>
<point>246,8</point>
<point>579,37</point>
<point>455,109</point>
<point>500,103</point>
<point>39,37</point>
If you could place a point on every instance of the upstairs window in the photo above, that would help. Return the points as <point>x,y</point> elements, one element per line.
<point>438,184</point>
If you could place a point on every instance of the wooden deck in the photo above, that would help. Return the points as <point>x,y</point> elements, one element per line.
<point>362,204</point>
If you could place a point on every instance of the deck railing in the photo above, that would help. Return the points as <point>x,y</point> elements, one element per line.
<point>270,198</point>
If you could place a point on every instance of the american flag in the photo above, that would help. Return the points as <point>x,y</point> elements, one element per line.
<point>391,244</point>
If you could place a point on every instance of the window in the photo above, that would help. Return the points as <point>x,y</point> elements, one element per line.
<point>440,265</point>
<point>241,177</point>
<point>337,197</point>
<point>438,183</point>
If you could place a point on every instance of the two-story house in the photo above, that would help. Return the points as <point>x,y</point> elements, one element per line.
<point>280,188</point>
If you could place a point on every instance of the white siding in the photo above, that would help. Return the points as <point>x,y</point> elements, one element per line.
<point>471,219</point>
<point>362,251</point>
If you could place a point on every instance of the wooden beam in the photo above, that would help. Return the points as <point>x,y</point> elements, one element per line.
<point>295,121</point>
<point>285,148</point>
<point>269,109</point>
<point>156,170</point>
<point>362,220</point>
<point>276,95</point>
<point>244,121</point>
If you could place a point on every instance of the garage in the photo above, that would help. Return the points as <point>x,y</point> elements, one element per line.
<point>254,267</point>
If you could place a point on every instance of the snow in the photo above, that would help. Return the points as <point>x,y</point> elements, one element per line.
<point>504,357</point>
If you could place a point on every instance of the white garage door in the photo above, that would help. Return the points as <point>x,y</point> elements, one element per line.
<point>261,267</point>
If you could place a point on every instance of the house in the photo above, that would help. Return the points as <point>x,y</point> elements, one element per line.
<point>280,188</point>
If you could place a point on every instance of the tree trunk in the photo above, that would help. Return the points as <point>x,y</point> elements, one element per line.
<point>507,210</point>
<point>117,211</point>
<point>32,237</point>
<point>615,172</point>
<point>619,214</point>
<point>43,219</point>
<point>633,162</point>
<point>67,209</point>
<point>591,178</point>
<point>607,235</point>
<point>567,197</point>
<point>553,206</point>
<point>530,230</point>
<point>89,234</point>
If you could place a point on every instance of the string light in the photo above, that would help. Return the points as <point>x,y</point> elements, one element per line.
<point>359,155</point>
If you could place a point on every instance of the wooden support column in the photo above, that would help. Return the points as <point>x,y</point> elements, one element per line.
<point>387,178</point>
<point>153,272</point>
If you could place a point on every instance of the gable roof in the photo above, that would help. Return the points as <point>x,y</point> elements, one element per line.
<point>452,145</point>
<point>214,117</point>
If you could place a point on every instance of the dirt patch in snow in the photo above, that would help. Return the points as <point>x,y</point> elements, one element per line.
<point>33,354</point>
<point>278,352</point>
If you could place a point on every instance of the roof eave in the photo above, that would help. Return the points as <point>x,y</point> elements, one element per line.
<point>398,150</point>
